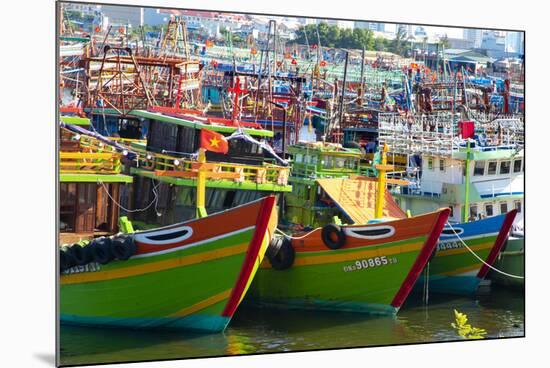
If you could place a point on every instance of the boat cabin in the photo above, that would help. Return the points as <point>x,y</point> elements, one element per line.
<point>90,187</point>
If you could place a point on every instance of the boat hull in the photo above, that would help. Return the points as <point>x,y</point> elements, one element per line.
<point>194,281</point>
<point>368,274</point>
<point>512,261</point>
<point>453,269</point>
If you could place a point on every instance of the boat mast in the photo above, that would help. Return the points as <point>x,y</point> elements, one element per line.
<point>201,185</point>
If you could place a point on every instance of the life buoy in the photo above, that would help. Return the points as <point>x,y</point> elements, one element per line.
<point>101,250</point>
<point>280,253</point>
<point>81,254</point>
<point>333,236</point>
<point>123,248</point>
<point>66,260</point>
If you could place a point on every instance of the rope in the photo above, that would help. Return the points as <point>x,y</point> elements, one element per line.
<point>155,200</point>
<point>481,260</point>
<point>294,237</point>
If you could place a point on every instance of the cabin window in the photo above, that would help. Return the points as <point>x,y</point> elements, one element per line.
<point>503,207</point>
<point>298,157</point>
<point>489,210</point>
<point>505,167</point>
<point>306,159</point>
<point>430,164</point>
<point>517,205</point>
<point>517,166</point>
<point>441,165</point>
<point>492,168</point>
<point>473,211</point>
<point>67,210</point>
<point>479,168</point>
<point>314,160</point>
<point>229,198</point>
<point>340,163</point>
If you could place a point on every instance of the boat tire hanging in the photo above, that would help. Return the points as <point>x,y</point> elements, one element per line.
<point>333,236</point>
<point>81,254</point>
<point>101,250</point>
<point>66,259</point>
<point>123,248</point>
<point>281,253</point>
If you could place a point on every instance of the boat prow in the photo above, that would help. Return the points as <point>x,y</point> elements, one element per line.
<point>453,269</point>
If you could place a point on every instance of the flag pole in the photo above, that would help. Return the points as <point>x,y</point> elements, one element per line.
<point>201,185</point>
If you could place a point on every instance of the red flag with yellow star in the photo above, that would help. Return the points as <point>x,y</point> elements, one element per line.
<point>213,142</point>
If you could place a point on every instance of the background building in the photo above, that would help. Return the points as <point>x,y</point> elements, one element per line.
<point>372,26</point>
<point>474,36</point>
<point>123,15</point>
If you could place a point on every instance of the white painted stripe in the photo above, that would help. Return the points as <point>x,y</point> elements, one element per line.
<point>146,238</point>
<point>351,231</point>
<point>191,245</point>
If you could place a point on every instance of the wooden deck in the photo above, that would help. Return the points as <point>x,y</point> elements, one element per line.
<point>70,238</point>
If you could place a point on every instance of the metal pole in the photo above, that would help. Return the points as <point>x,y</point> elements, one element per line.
<point>467,182</point>
<point>284,134</point>
<point>343,92</point>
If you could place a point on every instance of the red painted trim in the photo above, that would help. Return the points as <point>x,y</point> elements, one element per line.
<point>251,255</point>
<point>421,260</point>
<point>499,242</point>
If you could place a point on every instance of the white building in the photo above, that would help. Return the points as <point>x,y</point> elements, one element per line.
<point>371,26</point>
<point>123,14</point>
<point>474,36</point>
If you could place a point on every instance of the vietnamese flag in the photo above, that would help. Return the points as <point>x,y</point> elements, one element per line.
<point>213,142</point>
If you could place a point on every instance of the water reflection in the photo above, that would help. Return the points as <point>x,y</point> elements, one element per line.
<point>256,330</point>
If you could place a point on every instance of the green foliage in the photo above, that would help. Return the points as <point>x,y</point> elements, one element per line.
<point>399,44</point>
<point>333,36</point>
<point>444,41</point>
<point>465,330</point>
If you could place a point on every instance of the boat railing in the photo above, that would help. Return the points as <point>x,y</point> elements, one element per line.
<point>89,163</point>
<point>240,173</point>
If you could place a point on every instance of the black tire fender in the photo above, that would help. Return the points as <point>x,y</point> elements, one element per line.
<point>66,259</point>
<point>281,255</point>
<point>333,236</point>
<point>101,250</point>
<point>81,254</point>
<point>123,248</point>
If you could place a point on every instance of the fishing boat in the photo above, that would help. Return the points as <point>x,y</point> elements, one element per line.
<point>465,254</point>
<point>480,179</point>
<point>368,267</point>
<point>357,268</point>
<point>191,275</point>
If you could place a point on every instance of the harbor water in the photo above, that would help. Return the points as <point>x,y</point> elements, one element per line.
<point>256,330</point>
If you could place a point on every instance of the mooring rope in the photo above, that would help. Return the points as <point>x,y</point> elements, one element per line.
<point>294,237</point>
<point>481,260</point>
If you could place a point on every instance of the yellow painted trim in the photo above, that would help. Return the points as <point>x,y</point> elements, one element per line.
<point>450,252</point>
<point>202,304</point>
<point>352,256</point>
<point>153,266</point>
<point>87,155</point>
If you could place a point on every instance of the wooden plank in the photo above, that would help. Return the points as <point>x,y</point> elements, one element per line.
<point>397,181</point>
<point>86,155</point>
<point>384,167</point>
